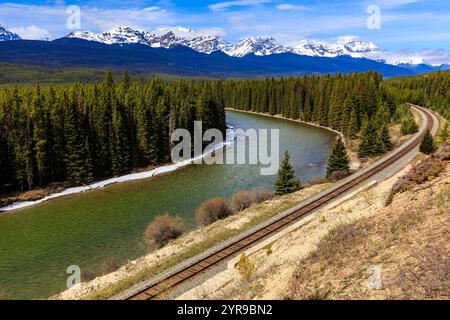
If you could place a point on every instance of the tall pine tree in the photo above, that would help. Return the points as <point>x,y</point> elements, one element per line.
<point>286,181</point>
<point>339,160</point>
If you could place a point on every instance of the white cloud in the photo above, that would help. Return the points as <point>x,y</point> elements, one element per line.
<point>290,7</point>
<point>434,57</point>
<point>32,33</point>
<point>394,3</point>
<point>214,31</point>
<point>222,6</point>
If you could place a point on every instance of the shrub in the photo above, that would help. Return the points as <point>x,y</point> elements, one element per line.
<point>422,172</point>
<point>242,200</point>
<point>245,267</point>
<point>409,126</point>
<point>444,151</point>
<point>212,210</point>
<point>163,229</point>
<point>339,175</point>
<point>262,194</point>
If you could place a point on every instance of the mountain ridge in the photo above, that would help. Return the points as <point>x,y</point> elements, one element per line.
<point>172,37</point>
<point>180,60</point>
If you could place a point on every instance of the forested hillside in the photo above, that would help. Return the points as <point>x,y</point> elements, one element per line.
<point>429,90</point>
<point>78,133</point>
<point>354,104</point>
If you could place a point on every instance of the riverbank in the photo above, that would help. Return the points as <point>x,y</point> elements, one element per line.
<point>187,246</point>
<point>351,145</point>
<point>27,199</point>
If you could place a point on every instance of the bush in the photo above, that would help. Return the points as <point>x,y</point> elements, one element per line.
<point>212,210</point>
<point>444,151</point>
<point>420,173</point>
<point>409,126</point>
<point>339,175</point>
<point>163,229</point>
<point>262,194</point>
<point>245,267</point>
<point>242,200</point>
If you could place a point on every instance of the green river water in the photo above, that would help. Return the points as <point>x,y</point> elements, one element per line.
<point>37,244</point>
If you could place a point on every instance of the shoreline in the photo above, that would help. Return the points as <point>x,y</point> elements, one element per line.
<point>99,185</point>
<point>146,174</point>
<point>278,116</point>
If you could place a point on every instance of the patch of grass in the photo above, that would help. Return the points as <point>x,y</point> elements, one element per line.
<point>426,275</point>
<point>339,241</point>
<point>405,221</point>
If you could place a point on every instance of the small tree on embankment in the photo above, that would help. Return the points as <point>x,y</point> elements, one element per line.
<point>427,146</point>
<point>339,162</point>
<point>286,181</point>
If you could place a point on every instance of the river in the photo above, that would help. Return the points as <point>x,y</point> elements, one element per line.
<point>37,244</point>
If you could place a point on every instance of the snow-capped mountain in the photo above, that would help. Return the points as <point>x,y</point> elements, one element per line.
<point>260,46</point>
<point>160,38</point>
<point>6,35</point>
<point>350,46</point>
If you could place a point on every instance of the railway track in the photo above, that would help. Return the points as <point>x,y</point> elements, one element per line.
<point>233,249</point>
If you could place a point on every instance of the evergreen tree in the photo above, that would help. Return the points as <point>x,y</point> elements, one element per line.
<point>386,139</point>
<point>353,125</point>
<point>371,143</point>
<point>77,158</point>
<point>427,146</point>
<point>409,125</point>
<point>339,160</point>
<point>286,181</point>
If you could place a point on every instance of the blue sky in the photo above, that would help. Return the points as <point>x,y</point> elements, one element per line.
<point>405,24</point>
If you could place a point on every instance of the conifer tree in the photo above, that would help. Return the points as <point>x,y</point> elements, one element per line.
<point>409,125</point>
<point>371,143</point>
<point>386,139</point>
<point>286,181</point>
<point>427,146</point>
<point>352,131</point>
<point>77,156</point>
<point>339,160</point>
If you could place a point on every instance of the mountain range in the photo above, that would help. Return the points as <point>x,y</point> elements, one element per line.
<point>180,50</point>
